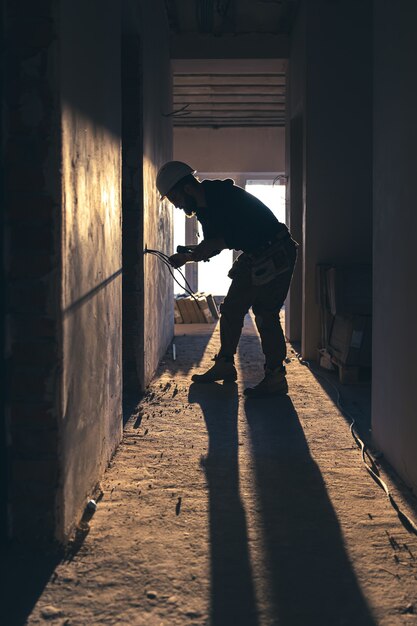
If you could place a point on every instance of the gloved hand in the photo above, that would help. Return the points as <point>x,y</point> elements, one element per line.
<point>208,248</point>
<point>180,258</point>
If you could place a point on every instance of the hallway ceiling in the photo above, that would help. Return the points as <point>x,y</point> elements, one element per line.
<point>219,17</point>
<point>229,92</point>
<point>229,66</point>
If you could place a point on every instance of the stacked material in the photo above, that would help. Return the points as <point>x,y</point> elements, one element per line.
<point>346,314</point>
<point>200,308</point>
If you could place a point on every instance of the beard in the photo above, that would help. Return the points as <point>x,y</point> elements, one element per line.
<point>189,205</point>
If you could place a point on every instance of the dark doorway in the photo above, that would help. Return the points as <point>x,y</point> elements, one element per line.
<point>3,390</point>
<point>132,213</point>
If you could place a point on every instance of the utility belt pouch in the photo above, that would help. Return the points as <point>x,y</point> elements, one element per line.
<point>241,264</point>
<point>270,265</point>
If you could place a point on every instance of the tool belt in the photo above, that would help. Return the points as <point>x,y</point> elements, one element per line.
<point>273,243</point>
<point>265,262</point>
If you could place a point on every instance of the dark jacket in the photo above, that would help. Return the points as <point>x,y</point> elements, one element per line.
<point>243,221</point>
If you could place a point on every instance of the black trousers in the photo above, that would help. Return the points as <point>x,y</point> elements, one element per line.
<point>265,299</point>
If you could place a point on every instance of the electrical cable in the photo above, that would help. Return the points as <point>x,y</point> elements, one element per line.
<point>371,467</point>
<point>165,260</point>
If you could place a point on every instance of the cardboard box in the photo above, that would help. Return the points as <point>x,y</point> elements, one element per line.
<point>205,310</point>
<point>349,290</point>
<point>177,313</point>
<point>350,340</point>
<point>198,316</point>
<point>192,310</point>
<point>211,303</point>
<point>184,310</point>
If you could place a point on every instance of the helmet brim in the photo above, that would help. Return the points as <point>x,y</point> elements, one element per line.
<point>162,196</point>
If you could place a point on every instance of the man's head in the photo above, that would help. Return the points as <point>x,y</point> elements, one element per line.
<point>175,180</point>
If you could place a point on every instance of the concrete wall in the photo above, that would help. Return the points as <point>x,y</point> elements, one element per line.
<point>395,236</point>
<point>157,149</point>
<point>231,149</point>
<point>90,420</point>
<point>337,211</point>
<point>63,242</point>
<point>295,168</point>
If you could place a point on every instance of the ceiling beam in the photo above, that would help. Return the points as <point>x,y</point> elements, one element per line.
<point>229,66</point>
<point>227,99</point>
<point>248,123</point>
<point>237,46</point>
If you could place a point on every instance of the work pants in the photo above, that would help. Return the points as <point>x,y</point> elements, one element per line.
<point>266,301</point>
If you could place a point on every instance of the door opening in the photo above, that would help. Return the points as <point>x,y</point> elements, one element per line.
<point>132,214</point>
<point>271,194</point>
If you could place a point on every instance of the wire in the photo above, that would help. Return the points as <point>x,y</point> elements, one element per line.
<point>165,259</point>
<point>371,467</point>
<point>178,112</point>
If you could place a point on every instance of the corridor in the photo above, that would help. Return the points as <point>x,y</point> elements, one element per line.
<point>220,511</point>
<point>211,510</point>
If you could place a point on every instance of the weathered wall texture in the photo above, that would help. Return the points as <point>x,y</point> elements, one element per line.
<point>157,148</point>
<point>337,217</point>
<point>295,168</point>
<point>31,151</point>
<point>90,421</point>
<point>63,235</point>
<point>231,149</point>
<point>395,237</point>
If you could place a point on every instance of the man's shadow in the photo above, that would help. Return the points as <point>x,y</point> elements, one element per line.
<point>311,579</point>
<point>232,591</point>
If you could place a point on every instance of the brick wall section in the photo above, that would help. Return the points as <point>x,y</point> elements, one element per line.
<point>32,213</point>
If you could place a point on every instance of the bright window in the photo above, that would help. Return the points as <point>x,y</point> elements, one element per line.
<point>212,276</point>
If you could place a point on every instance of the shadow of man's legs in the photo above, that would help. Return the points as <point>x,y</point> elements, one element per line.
<point>232,593</point>
<point>311,579</point>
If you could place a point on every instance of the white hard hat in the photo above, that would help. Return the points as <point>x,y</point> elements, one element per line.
<point>170,174</point>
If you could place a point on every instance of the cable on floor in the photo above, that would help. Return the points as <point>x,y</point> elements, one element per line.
<point>370,466</point>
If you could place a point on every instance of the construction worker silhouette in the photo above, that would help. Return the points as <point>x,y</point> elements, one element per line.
<point>261,275</point>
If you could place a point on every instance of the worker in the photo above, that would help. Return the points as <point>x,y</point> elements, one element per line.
<point>233,218</point>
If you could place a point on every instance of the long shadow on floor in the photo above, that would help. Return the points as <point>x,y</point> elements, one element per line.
<point>190,341</point>
<point>24,573</point>
<point>354,403</point>
<point>232,592</point>
<point>311,579</point>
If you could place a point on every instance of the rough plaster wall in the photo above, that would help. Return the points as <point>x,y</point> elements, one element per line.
<point>157,149</point>
<point>395,236</point>
<point>231,149</point>
<point>337,221</point>
<point>90,426</point>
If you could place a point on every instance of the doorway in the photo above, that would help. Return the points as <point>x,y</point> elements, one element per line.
<point>132,215</point>
<point>271,192</point>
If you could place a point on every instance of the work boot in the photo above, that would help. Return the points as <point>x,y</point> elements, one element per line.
<point>223,369</point>
<point>273,383</point>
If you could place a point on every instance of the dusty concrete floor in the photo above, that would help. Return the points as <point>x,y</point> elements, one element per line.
<point>220,511</point>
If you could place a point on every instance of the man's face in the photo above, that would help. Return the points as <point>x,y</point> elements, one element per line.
<point>183,200</point>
